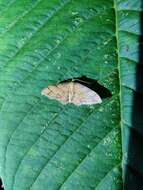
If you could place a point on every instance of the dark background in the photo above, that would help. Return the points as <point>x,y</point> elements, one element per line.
<point>1,185</point>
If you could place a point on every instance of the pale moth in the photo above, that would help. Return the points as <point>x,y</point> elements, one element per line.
<point>72,92</point>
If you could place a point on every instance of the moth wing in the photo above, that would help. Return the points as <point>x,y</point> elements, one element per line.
<point>84,95</point>
<point>59,92</point>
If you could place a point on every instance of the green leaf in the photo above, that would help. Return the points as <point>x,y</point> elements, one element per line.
<point>129,37</point>
<point>45,144</point>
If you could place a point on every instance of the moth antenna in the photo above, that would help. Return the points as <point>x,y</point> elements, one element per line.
<point>81,81</point>
<point>73,80</point>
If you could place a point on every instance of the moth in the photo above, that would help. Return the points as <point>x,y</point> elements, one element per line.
<point>72,92</point>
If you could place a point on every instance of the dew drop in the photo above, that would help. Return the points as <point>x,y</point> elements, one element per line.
<point>106,56</point>
<point>74,13</point>
<point>105,43</point>
<point>57,41</point>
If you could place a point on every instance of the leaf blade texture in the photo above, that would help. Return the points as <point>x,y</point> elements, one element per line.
<point>47,145</point>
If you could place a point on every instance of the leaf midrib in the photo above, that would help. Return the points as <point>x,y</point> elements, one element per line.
<point>119,71</point>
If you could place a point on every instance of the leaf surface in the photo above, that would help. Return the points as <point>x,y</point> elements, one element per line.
<point>45,144</point>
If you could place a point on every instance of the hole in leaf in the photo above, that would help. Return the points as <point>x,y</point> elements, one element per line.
<point>79,91</point>
<point>1,186</point>
<point>95,86</point>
